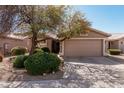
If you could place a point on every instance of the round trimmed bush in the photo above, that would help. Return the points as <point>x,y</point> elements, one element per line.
<point>115,51</point>
<point>18,51</point>
<point>19,61</point>
<point>37,50</point>
<point>42,62</point>
<point>46,49</point>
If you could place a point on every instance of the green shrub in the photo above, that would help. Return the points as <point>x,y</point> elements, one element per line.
<point>115,51</point>
<point>46,49</point>
<point>42,62</point>
<point>37,50</point>
<point>18,51</point>
<point>19,61</point>
<point>1,58</point>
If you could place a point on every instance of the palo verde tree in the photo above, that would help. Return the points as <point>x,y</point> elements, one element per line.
<point>36,20</point>
<point>74,25</point>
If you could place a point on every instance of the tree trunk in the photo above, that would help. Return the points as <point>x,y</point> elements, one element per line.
<point>34,43</point>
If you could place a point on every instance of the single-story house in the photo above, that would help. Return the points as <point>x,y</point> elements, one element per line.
<point>89,44</point>
<point>7,42</point>
<point>116,41</point>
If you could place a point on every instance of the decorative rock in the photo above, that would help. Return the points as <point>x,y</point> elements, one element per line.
<point>44,74</point>
<point>53,72</point>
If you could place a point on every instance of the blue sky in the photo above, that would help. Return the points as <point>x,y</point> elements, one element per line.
<point>108,18</point>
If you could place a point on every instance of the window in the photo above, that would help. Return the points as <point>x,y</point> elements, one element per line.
<point>42,43</point>
<point>121,42</point>
<point>6,45</point>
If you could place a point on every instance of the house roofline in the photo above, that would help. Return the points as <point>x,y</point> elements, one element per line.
<point>11,38</point>
<point>115,39</point>
<point>89,28</point>
<point>99,31</point>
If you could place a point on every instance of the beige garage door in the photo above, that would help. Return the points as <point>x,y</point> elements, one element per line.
<point>83,47</point>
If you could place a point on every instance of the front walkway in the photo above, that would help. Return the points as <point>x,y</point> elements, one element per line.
<point>82,72</point>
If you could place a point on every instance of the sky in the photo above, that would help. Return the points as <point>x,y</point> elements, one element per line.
<point>107,18</point>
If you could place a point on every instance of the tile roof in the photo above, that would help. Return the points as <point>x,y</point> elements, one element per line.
<point>52,35</point>
<point>99,31</point>
<point>16,36</point>
<point>116,36</point>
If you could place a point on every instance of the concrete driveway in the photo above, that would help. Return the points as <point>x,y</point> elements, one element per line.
<point>97,71</point>
<point>82,72</point>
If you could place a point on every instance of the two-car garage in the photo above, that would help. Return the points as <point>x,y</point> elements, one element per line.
<point>86,45</point>
<point>83,47</point>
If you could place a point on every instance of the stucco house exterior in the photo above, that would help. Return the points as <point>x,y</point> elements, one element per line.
<point>89,44</point>
<point>9,41</point>
<point>116,41</point>
<point>84,45</point>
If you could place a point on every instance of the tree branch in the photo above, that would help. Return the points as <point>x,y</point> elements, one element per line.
<point>41,40</point>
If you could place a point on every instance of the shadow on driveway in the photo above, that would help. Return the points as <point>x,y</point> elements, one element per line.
<point>108,60</point>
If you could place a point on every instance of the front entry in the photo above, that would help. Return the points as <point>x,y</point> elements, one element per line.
<point>55,46</point>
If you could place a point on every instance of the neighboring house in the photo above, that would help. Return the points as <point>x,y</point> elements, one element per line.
<point>9,41</point>
<point>116,41</point>
<point>90,44</point>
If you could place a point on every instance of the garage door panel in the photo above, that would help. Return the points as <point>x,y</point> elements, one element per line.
<point>77,48</point>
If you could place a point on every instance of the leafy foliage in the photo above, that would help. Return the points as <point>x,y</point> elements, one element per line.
<point>42,62</point>
<point>19,61</point>
<point>35,20</point>
<point>37,50</point>
<point>46,49</point>
<point>115,51</point>
<point>7,17</point>
<point>75,24</point>
<point>18,51</point>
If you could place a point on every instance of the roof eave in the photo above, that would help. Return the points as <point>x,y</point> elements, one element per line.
<point>99,31</point>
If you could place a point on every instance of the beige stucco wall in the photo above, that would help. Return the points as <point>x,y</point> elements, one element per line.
<point>114,44</point>
<point>92,34</point>
<point>83,47</point>
<point>87,45</point>
<point>91,45</point>
<point>121,44</point>
<point>49,44</point>
<point>106,46</point>
<point>12,43</point>
<point>27,42</point>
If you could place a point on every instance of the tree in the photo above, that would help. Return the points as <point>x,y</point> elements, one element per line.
<point>7,15</point>
<point>36,20</point>
<point>75,24</point>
